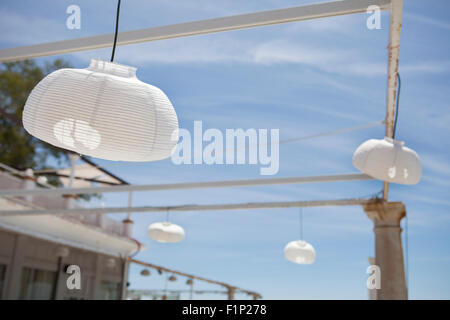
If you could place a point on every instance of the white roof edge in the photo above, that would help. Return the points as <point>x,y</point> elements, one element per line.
<point>69,232</point>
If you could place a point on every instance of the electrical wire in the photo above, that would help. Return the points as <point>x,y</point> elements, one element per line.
<point>397,104</point>
<point>286,141</point>
<point>335,132</point>
<point>116,32</point>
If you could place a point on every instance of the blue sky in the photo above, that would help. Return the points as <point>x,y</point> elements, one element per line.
<point>302,78</point>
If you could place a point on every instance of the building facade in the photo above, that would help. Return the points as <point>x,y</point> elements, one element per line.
<point>36,251</point>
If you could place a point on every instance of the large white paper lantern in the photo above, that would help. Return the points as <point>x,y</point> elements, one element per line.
<point>388,160</point>
<point>300,251</point>
<point>103,111</point>
<point>165,232</point>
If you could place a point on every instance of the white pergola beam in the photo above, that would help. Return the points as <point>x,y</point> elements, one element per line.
<point>242,21</point>
<point>188,185</point>
<point>193,207</point>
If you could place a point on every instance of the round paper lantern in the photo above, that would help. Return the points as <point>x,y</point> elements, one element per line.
<point>172,278</point>
<point>62,252</point>
<point>165,232</point>
<point>110,263</point>
<point>42,180</point>
<point>388,160</point>
<point>300,252</point>
<point>145,272</point>
<point>103,111</point>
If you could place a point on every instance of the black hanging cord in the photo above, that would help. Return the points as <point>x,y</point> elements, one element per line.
<point>396,107</point>
<point>116,32</point>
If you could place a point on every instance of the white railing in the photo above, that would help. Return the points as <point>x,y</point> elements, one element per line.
<point>9,181</point>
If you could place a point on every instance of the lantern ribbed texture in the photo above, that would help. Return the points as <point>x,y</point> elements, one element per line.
<point>300,251</point>
<point>103,111</point>
<point>165,232</point>
<point>388,160</point>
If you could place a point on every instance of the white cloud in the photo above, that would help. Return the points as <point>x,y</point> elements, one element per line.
<point>435,164</point>
<point>227,48</point>
<point>232,49</point>
<point>432,67</point>
<point>19,29</point>
<point>427,20</point>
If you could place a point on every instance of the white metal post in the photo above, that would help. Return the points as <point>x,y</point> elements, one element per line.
<point>393,54</point>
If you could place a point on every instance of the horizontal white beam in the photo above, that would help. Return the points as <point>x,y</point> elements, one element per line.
<point>191,207</point>
<point>188,185</point>
<point>251,20</point>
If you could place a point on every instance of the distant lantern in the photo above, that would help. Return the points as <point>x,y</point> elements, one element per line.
<point>388,160</point>
<point>110,263</point>
<point>189,282</point>
<point>62,251</point>
<point>145,272</point>
<point>42,180</point>
<point>165,232</point>
<point>103,111</point>
<point>300,252</point>
<point>172,278</point>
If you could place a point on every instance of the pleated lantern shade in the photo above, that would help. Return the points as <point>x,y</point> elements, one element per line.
<point>103,111</point>
<point>165,232</point>
<point>388,160</point>
<point>300,251</point>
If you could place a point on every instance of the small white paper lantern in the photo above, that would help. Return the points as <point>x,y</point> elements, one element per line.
<point>300,251</point>
<point>165,232</point>
<point>388,160</point>
<point>62,252</point>
<point>172,278</point>
<point>42,180</point>
<point>145,272</point>
<point>110,263</point>
<point>103,111</point>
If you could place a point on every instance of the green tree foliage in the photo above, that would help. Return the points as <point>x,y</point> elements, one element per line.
<point>19,149</point>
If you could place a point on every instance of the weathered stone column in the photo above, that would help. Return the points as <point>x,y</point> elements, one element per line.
<point>388,248</point>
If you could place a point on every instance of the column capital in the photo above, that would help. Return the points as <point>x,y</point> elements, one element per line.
<point>385,213</point>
